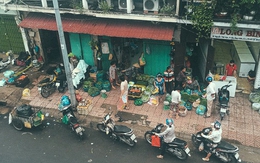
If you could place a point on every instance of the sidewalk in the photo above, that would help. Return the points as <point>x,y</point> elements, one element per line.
<point>241,127</point>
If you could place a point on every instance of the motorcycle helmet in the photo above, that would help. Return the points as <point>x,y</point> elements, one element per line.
<point>64,96</point>
<point>209,79</point>
<point>169,121</point>
<point>65,101</point>
<point>217,125</point>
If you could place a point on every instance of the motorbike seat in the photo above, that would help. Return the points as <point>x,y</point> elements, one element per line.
<point>73,120</point>
<point>178,141</point>
<point>121,129</point>
<point>225,145</point>
<point>224,105</point>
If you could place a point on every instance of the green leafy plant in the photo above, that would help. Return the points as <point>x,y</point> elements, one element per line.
<point>93,44</point>
<point>167,8</point>
<point>104,6</point>
<point>233,24</point>
<point>77,4</point>
<point>202,19</point>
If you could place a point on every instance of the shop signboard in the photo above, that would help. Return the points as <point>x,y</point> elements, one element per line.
<point>241,34</point>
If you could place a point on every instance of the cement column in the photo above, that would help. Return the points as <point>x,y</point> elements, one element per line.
<point>85,4</point>
<point>177,8</point>
<point>128,6</point>
<point>44,3</point>
<point>24,37</point>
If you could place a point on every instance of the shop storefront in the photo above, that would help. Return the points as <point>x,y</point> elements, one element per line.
<point>244,50</point>
<point>125,40</point>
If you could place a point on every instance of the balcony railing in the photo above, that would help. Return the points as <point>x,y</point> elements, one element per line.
<point>177,9</point>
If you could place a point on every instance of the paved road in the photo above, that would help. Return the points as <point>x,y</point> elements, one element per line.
<point>56,144</point>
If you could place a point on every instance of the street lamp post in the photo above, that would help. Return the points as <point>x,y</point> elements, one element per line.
<point>64,54</point>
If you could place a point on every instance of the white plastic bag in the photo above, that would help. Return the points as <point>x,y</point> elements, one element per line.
<point>10,119</point>
<point>2,82</point>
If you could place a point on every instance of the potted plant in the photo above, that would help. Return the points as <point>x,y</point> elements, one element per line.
<point>249,8</point>
<point>104,6</point>
<point>167,8</point>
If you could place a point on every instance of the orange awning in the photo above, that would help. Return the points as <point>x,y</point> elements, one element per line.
<point>102,27</point>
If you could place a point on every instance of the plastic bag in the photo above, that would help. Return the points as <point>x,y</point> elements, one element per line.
<point>254,97</point>
<point>156,141</point>
<point>201,110</point>
<point>26,92</point>
<point>8,73</point>
<point>2,82</point>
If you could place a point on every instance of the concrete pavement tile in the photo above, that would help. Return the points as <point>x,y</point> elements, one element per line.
<point>250,140</point>
<point>241,138</point>
<point>153,124</point>
<point>257,141</point>
<point>232,135</point>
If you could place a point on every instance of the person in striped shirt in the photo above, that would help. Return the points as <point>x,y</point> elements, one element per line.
<point>169,79</point>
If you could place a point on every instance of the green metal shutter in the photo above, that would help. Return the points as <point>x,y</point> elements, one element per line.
<point>159,57</point>
<point>10,35</point>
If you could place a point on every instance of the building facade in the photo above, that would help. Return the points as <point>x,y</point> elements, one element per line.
<point>162,30</point>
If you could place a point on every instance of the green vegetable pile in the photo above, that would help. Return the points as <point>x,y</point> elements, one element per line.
<point>138,102</point>
<point>145,98</point>
<point>87,85</point>
<point>93,91</point>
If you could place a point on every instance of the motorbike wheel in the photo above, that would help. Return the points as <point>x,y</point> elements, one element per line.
<point>222,116</point>
<point>194,141</point>
<point>18,124</point>
<point>130,142</point>
<point>180,154</point>
<point>147,137</point>
<point>45,92</point>
<point>232,159</point>
<point>101,127</point>
<point>81,135</point>
<point>61,89</point>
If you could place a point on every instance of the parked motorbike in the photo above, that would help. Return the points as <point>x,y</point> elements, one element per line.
<point>4,64</point>
<point>224,151</point>
<point>178,147</point>
<point>49,85</point>
<point>117,132</point>
<point>223,98</point>
<point>70,119</point>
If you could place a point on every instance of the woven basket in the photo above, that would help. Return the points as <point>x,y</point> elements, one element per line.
<point>182,111</point>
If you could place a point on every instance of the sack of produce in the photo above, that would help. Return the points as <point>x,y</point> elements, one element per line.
<point>24,110</point>
<point>168,98</point>
<point>188,105</point>
<point>99,85</point>
<point>87,85</point>
<point>106,85</point>
<point>201,110</point>
<point>93,91</point>
<point>254,97</point>
<point>256,106</point>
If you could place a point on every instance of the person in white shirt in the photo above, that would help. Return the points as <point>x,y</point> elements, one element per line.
<point>215,136</point>
<point>176,100</point>
<point>210,96</point>
<point>124,91</point>
<point>168,136</point>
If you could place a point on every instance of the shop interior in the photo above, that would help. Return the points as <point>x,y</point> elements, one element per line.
<point>126,51</point>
